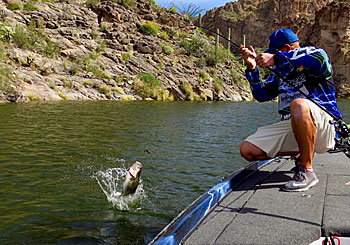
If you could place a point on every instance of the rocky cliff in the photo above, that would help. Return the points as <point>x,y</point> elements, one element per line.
<point>117,50</point>
<point>324,23</point>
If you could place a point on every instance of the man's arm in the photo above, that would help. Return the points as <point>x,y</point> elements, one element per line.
<point>262,91</point>
<point>307,57</point>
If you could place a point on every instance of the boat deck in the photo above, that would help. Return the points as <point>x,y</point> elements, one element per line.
<point>258,212</point>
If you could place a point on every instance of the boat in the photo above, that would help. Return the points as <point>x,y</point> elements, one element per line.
<point>247,207</point>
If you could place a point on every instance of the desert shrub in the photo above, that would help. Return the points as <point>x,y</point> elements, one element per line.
<point>167,49</point>
<point>97,70</point>
<point>106,90</point>
<point>148,78</point>
<point>218,85</point>
<point>171,33</point>
<point>202,77</point>
<point>127,3</point>
<point>50,49</point>
<point>149,28</point>
<point>147,86</point>
<point>164,36</point>
<point>6,33</point>
<point>237,78</point>
<point>62,95</point>
<point>14,6</point>
<point>68,84</point>
<point>5,77</point>
<point>90,3</point>
<point>33,38</point>
<point>21,38</point>
<point>29,7</point>
<point>214,57</point>
<point>172,10</point>
<point>126,56</point>
<point>193,46</point>
<point>88,84</point>
<point>191,95</point>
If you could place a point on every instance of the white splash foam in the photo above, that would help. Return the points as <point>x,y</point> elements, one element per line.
<point>111,181</point>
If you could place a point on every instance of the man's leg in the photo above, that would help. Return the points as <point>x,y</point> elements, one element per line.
<point>304,130</point>
<point>251,152</point>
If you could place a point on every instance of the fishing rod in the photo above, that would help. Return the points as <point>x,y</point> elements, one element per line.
<point>342,143</point>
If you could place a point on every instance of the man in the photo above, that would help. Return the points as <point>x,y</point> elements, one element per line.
<point>304,128</point>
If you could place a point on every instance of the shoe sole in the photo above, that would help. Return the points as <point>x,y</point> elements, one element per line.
<point>313,183</point>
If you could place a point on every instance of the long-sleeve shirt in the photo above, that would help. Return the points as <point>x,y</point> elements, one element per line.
<point>307,69</point>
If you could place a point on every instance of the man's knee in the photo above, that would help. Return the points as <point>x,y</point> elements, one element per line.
<point>299,108</point>
<point>251,152</point>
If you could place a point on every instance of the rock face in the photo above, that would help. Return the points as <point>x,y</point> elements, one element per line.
<point>79,50</point>
<point>324,23</point>
<point>332,32</point>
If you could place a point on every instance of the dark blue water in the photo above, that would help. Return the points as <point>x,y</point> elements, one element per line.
<point>50,153</point>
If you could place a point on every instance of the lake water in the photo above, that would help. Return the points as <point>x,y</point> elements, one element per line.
<point>56,156</point>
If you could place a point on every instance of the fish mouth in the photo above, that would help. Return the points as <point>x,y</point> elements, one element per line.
<point>135,170</point>
<point>138,165</point>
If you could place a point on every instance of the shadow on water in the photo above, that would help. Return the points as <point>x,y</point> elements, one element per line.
<point>118,231</point>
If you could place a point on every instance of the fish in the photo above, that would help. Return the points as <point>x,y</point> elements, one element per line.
<point>132,179</point>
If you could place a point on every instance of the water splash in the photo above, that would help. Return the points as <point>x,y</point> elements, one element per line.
<point>111,182</point>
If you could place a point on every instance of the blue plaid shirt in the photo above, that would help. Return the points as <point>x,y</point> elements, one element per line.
<point>307,69</point>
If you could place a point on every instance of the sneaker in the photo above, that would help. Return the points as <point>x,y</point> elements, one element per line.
<point>302,180</point>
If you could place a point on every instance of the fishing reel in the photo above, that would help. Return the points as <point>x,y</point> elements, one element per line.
<point>342,141</point>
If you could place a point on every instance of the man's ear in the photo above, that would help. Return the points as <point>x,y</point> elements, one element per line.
<point>286,48</point>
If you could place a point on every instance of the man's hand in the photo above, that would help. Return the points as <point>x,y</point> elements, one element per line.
<point>265,59</point>
<point>248,55</point>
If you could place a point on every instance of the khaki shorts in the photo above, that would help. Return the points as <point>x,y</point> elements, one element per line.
<point>279,137</point>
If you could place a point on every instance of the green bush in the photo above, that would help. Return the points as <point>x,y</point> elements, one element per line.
<point>215,57</point>
<point>6,33</point>
<point>5,77</point>
<point>171,33</point>
<point>202,77</point>
<point>191,95</point>
<point>62,95</point>
<point>29,7</point>
<point>21,38</point>
<point>164,36</point>
<point>126,56</point>
<point>148,78</point>
<point>149,28</point>
<point>167,49</point>
<point>147,86</point>
<point>193,46</point>
<point>218,85</point>
<point>88,84</point>
<point>50,49</point>
<point>90,3</point>
<point>106,90</point>
<point>14,6</point>
<point>237,78</point>
<point>172,10</point>
<point>128,3</point>
<point>33,39</point>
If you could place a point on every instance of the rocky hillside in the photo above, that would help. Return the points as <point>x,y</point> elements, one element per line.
<point>110,49</point>
<point>324,23</point>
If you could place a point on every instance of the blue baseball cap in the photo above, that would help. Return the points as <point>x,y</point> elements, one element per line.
<point>279,38</point>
